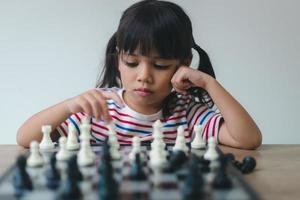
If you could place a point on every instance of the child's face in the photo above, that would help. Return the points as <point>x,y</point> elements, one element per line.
<point>146,80</point>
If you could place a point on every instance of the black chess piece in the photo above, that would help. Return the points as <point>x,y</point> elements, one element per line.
<point>72,162</point>
<point>136,172</point>
<point>52,174</point>
<point>70,189</point>
<point>177,159</point>
<point>194,183</point>
<point>204,165</point>
<point>221,180</point>
<point>21,179</point>
<point>108,187</point>
<point>248,164</point>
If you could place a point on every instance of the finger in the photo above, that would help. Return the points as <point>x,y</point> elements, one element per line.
<point>101,99</point>
<point>104,108</point>
<point>85,105</point>
<point>95,105</point>
<point>113,95</point>
<point>146,138</point>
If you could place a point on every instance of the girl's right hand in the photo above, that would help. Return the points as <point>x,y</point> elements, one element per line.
<point>93,103</point>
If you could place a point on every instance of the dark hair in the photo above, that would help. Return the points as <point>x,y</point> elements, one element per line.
<point>162,26</point>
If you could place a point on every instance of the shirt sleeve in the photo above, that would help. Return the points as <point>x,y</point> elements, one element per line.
<point>210,118</point>
<point>74,119</point>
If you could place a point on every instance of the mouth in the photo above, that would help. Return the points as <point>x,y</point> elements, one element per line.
<point>143,92</point>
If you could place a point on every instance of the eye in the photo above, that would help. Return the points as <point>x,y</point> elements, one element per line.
<point>131,64</point>
<point>161,67</point>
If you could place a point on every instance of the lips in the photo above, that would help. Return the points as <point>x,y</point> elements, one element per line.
<point>143,92</point>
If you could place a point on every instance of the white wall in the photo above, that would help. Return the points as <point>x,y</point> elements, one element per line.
<point>51,50</point>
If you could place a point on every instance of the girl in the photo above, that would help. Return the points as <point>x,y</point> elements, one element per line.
<point>146,77</point>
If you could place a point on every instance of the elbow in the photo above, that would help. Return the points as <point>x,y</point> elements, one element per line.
<point>255,142</point>
<point>20,139</point>
<point>258,140</point>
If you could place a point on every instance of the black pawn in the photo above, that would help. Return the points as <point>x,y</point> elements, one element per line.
<point>107,187</point>
<point>177,159</point>
<point>70,189</point>
<point>221,180</point>
<point>193,187</point>
<point>137,172</point>
<point>52,174</point>
<point>21,179</point>
<point>248,164</point>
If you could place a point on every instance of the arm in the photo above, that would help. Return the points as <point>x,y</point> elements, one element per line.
<point>92,102</point>
<point>238,129</point>
<point>31,129</point>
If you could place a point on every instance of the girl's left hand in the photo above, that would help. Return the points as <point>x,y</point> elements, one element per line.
<point>186,77</point>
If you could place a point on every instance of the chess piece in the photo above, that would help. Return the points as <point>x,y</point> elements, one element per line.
<point>137,172</point>
<point>136,149</point>
<point>248,165</point>
<point>72,140</point>
<point>52,174</point>
<point>46,143</point>
<point>35,159</point>
<point>70,189</point>
<point>180,143</point>
<point>198,142</point>
<point>193,187</point>
<point>113,142</point>
<point>108,187</point>
<point>21,179</point>
<point>158,154</point>
<point>221,180</point>
<point>85,155</point>
<point>177,159</point>
<point>211,154</point>
<point>63,154</point>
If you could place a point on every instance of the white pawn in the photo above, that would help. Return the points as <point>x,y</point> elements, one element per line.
<point>46,143</point>
<point>35,159</point>
<point>136,148</point>
<point>85,158</point>
<point>72,141</point>
<point>85,132</point>
<point>63,154</point>
<point>211,153</point>
<point>198,142</point>
<point>180,143</point>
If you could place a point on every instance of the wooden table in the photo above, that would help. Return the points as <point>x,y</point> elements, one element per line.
<point>276,176</point>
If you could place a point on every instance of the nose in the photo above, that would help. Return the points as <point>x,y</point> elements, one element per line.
<point>145,74</point>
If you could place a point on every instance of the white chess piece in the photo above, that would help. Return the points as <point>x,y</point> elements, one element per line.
<point>136,148</point>
<point>63,154</point>
<point>180,143</point>
<point>158,154</point>
<point>113,142</point>
<point>85,132</point>
<point>84,157</point>
<point>46,143</point>
<point>198,142</point>
<point>211,153</point>
<point>35,159</point>
<point>72,141</point>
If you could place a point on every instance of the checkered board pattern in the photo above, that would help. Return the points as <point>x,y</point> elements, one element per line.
<point>163,186</point>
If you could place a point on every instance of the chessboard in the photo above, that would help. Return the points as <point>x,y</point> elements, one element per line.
<point>184,176</point>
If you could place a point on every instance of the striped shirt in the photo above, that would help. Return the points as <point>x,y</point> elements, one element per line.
<point>130,123</point>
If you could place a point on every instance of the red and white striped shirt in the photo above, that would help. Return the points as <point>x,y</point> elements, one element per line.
<point>130,123</point>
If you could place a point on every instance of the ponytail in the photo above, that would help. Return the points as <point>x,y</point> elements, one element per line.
<point>110,72</point>
<point>204,64</point>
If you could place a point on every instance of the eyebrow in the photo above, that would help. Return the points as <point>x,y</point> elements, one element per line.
<point>154,57</point>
